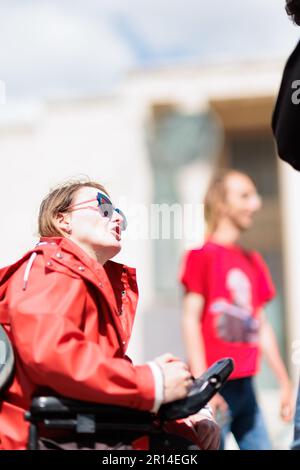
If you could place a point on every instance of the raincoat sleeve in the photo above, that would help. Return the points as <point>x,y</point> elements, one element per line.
<point>286,115</point>
<point>45,321</point>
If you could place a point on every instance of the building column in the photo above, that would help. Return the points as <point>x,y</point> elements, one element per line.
<point>290,213</point>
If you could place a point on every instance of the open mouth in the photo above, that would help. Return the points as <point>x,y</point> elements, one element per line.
<point>117,233</point>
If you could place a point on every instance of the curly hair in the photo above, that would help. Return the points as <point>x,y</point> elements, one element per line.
<point>293,10</point>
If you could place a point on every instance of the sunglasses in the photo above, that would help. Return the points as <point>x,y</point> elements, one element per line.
<point>105,207</point>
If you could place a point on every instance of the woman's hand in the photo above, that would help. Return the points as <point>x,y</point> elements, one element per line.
<point>177,377</point>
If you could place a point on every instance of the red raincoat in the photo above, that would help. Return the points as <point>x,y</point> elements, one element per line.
<point>69,319</point>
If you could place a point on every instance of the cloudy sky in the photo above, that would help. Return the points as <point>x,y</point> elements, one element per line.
<point>57,47</point>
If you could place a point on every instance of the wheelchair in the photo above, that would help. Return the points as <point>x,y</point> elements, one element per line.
<point>87,419</point>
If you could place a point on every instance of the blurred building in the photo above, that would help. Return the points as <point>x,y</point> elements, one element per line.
<point>158,139</point>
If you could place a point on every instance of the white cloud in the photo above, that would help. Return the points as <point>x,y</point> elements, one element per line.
<point>54,46</point>
<point>214,28</point>
<point>47,48</point>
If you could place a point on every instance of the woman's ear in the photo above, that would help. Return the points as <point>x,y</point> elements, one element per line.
<point>63,222</point>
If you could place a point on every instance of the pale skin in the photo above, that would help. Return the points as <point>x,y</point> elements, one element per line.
<point>235,216</point>
<point>100,238</point>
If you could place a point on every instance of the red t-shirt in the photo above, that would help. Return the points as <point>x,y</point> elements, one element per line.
<point>235,285</point>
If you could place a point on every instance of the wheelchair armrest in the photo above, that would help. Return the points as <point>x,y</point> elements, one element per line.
<point>85,418</point>
<point>56,407</point>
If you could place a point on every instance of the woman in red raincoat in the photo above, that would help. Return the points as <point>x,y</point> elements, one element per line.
<point>69,311</point>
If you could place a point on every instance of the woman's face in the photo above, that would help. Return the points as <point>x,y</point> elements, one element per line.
<point>87,227</point>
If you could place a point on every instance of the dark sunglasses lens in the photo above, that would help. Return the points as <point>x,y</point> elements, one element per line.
<point>105,205</point>
<point>106,210</point>
<point>124,220</point>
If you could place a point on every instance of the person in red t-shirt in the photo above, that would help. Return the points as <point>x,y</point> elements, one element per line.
<point>226,288</point>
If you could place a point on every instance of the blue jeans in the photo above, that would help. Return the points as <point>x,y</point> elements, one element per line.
<point>296,443</point>
<point>245,419</point>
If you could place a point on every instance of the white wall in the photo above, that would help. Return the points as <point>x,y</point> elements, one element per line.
<point>290,198</point>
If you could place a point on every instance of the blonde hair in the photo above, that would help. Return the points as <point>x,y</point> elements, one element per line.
<point>58,200</point>
<point>216,197</point>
